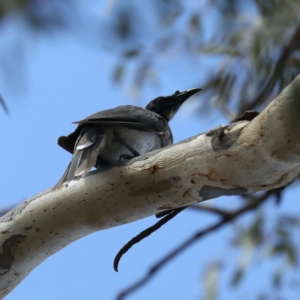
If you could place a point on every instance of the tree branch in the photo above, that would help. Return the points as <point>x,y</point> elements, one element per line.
<point>225,219</point>
<point>4,106</point>
<point>211,209</point>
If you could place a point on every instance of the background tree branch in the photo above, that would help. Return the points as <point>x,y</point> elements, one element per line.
<point>224,219</point>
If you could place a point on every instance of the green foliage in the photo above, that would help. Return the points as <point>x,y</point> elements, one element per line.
<point>236,41</point>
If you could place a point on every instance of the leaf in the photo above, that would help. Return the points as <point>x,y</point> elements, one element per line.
<point>291,254</point>
<point>237,276</point>
<point>277,278</point>
<point>131,53</point>
<point>220,50</point>
<point>211,281</point>
<point>253,235</point>
<point>195,22</point>
<point>118,74</point>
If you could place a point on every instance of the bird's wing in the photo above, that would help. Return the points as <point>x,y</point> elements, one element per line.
<point>89,136</point>
<point>127,116</point>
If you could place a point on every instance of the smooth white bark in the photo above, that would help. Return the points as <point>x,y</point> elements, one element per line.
<point>241,158</point>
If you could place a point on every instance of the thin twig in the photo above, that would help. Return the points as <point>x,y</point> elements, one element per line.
<point>4,106</point>
<point>211,209</point>
<point>144,234</point>
<point>225,219</point>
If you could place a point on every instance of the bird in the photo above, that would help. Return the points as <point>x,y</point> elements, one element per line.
<point>107,137</point>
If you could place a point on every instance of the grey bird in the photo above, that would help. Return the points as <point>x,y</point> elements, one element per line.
<point>124,132</point>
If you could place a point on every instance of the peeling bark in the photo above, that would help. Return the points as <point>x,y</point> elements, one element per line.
<point>7,257</point>
<point>243,157</point>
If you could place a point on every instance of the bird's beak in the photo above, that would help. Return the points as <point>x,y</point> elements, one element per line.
<point>180,97</point>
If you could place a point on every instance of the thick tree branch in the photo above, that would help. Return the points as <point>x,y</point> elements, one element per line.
<point>240,158</point>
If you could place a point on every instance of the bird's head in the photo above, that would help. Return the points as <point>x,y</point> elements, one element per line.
<point>168,106</point>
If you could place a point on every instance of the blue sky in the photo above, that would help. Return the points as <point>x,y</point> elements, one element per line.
<point>64,79</point>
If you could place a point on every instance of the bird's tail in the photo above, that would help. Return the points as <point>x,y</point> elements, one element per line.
<point>63,179</point>
<point>84,156</point>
